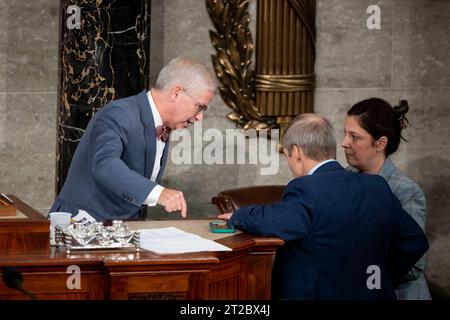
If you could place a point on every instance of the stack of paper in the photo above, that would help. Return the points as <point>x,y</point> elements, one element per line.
<point>174,240</point>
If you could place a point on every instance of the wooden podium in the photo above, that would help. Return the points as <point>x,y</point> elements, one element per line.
<point>244,273</point>
<point>26,231</point>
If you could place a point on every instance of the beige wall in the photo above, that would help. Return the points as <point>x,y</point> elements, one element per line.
<point>408,58</point>
<point>28,86</point>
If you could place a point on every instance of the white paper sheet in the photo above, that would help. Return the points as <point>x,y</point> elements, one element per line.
<point>173,240</point>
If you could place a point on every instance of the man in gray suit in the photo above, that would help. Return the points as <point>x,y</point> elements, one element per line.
<point>120,159</point>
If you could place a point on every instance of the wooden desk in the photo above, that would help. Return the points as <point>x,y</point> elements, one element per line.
<point>28,231</point>
<point>244,273</point>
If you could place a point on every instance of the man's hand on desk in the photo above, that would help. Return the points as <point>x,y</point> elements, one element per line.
<point>173,200</point>
<point>225,216</point>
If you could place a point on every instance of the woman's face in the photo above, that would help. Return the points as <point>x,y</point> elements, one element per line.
<point>359,146</point>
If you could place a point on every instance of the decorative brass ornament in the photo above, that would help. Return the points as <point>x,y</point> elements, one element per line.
<point>282,84</point>
<point>232,62</point>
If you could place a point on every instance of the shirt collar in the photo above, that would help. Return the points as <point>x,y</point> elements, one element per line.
<point>156,116</point>
<point>317,166</point>
<point>387,169</point>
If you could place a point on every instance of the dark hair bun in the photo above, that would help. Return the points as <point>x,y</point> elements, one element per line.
<point>400,113</point>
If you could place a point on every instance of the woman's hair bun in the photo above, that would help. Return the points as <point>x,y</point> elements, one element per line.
<point>400,113</point>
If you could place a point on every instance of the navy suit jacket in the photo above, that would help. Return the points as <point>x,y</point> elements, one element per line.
<point>336,225</point>
<point>109,176</point>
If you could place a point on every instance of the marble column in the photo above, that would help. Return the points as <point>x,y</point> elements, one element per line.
<point>104,55</point>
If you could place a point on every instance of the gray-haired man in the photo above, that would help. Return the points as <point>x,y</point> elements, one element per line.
<point>347,236</point>
<point>120,159</point>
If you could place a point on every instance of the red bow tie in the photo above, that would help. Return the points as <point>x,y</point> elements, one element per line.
<point>162,133</point>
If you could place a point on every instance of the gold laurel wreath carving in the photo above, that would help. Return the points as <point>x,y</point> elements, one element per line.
<point>232,63</point>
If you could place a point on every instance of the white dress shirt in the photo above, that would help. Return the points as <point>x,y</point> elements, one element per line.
<point>152,198</point>
<point>317,166</point>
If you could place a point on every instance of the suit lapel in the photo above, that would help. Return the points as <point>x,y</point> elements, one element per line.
<point>150,150</point>
<point>149,132</point>
<point>163,161</point>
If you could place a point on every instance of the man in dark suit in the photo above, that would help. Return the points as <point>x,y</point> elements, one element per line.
<point>119,161</point>
<point>346,235</point>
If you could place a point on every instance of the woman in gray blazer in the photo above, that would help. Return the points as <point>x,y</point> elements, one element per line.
<point>372,132</point>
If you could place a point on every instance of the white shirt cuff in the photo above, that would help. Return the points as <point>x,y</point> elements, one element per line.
<point>153,196</point>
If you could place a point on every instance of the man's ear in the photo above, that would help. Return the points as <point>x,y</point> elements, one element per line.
<point>381,143</point>
<point>174,92</point>
<point>297,153</point>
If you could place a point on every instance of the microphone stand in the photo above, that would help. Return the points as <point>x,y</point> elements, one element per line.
<point>13,279</point>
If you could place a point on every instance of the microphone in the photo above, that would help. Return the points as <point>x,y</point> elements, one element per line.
<point>13,279</point>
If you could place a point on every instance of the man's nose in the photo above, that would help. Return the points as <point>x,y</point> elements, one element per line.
<point>199,116</point>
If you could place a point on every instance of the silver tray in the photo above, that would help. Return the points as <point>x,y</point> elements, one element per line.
<point>66,242</point>
<point>100,247</point>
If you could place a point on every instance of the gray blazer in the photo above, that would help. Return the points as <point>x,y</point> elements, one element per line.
<point>412,199</point>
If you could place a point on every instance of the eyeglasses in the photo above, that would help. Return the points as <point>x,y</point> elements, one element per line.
<point>201,107</point>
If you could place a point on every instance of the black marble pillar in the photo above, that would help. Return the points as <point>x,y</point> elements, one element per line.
<point>104,55</point>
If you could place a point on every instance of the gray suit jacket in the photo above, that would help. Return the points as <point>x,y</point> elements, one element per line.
<point>412,199</point>
<point>109,176</point>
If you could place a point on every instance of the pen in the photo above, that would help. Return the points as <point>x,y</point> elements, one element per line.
<point>7,198</point>
<point>4,203</point>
